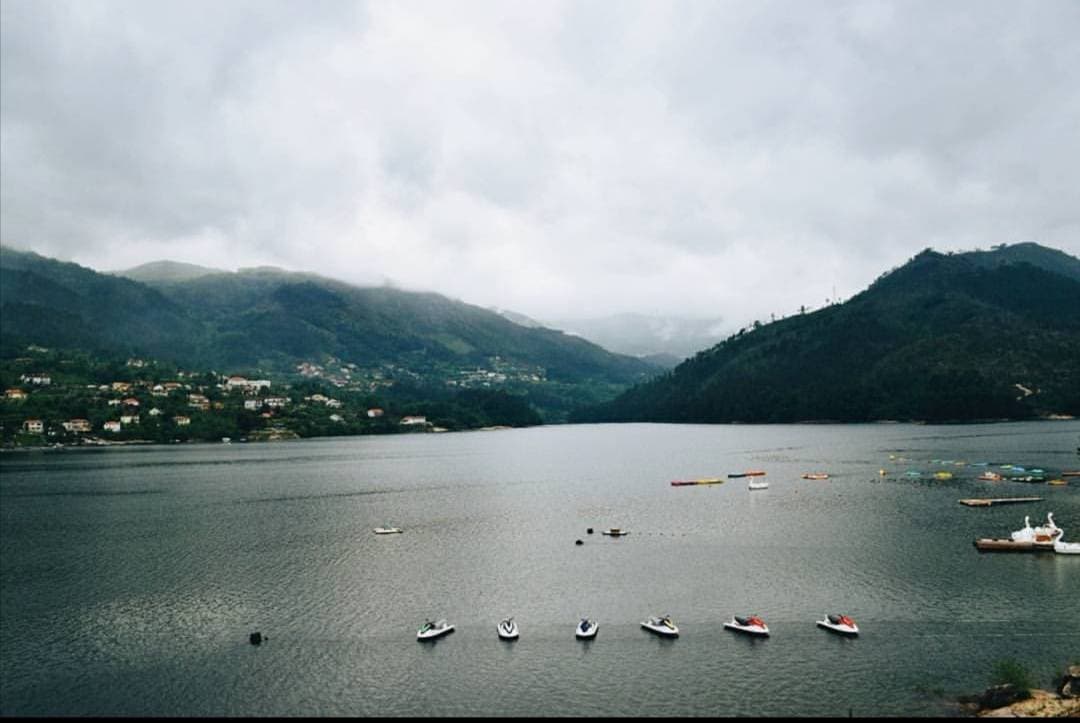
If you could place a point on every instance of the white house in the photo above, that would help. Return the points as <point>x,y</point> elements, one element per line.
<point>413,420</point>
<point>34,426</point>
<point>111,426</point>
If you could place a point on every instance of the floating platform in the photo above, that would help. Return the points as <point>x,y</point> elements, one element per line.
<point>702,481</point>
<point>984,502</point>
<point>1004,545</point>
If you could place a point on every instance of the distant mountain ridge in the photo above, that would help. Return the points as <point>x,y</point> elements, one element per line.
<point>269,318</point>
<point>166,271</point>
<point>944,337</point>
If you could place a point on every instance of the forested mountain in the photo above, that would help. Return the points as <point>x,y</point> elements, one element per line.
<point>274,320</point>
<point>978,335</point>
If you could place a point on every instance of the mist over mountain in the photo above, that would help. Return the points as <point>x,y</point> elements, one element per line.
<point>272,319</point>
<point>977,335</point>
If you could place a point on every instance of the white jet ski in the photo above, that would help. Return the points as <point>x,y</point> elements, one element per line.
<point>661,626</point>
<point>752,625</point>
<point>508,629</point>
<point>839,624</point>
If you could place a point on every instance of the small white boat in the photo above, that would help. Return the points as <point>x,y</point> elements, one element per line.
<point>586,629</point>
<point>752,625</point>
<point>433,629</point>
<point>508,629</point>
<point>614,532</point>
<point>661,626</point>
<point>388,530</point>
<point>839,624</point>
<point>756,485</point>
<point>1067,548</point>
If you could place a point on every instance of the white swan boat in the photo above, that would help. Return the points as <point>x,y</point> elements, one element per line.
<point>752,625</point>
<point>434,629</point>
<point>586,629</point>
<point>508,629</point>
<point>839,624</point>
<point>661,626</point>
<point>1043,536</point>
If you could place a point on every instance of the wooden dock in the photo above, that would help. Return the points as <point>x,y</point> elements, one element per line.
<point>983,502</point>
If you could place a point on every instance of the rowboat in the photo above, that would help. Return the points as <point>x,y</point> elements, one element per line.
<point>751,473</point>
<point>815,475</point>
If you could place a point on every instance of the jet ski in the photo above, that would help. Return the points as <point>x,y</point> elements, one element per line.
<point>661,626</point>
<point>839,624</point>
<point>586,629</point>
<point>508,629</point>
<point>752,625</point>
<point>431,630</point>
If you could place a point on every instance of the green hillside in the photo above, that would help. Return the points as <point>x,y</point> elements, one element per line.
<point>273,320</point>
<point>980,335</point>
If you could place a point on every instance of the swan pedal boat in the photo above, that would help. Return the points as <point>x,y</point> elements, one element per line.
<point>586,629</point>
<point>430,630</point>
<point>661,626</point>
<point>508,629</point>
<point>752,625</point>
<point>839,624</point>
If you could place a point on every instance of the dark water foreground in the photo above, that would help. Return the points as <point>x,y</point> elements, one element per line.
<point>131,578</point>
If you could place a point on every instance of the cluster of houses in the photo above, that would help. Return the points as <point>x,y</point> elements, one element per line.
<point>130,407</point>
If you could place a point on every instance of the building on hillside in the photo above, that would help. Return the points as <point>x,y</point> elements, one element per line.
<point>121,386</point>
<point>336,418</point>
<point>198,401</point>
<point>77,425</point>
<point>159,390</point>
<point>374,412</point>
<point>252,405</point>
<point>34,426</point>
<point>409,420</point>
<point>131,402</point>
<point>154,412</point>
<point>39,378</point>
<point>129,419</point>
<point>111,426</point>
<point>276,402</point>
<point>181,420</point>
<point>249,386</point>
<point>15,394</point>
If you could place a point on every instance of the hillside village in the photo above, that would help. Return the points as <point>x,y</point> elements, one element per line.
<point>60,399</point>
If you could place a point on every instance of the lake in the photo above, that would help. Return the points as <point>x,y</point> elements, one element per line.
<point>131,578</point>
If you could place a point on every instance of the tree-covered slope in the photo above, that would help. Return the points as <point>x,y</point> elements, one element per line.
<point>982,335</point>
<point>272,319</point>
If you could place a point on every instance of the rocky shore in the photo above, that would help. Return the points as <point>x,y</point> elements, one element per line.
<point>1008,701</point>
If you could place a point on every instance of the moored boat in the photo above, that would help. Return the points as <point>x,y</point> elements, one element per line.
<point>388,530</point>
<point>815,475</point>
<point>508,629</point>
<point>751,473</point>
<point>434,629</point>
<point>752,625</point>
<point>615,532</point>
<point>1067,548</point>
<point>586,629</point>
<point>661,625</point>
<point>839,624</point>
<point>757,485</point>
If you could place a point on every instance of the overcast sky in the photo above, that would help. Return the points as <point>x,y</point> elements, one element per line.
<point>560,159</point>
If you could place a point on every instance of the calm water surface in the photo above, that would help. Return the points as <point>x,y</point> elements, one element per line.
<point>130,578</point>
